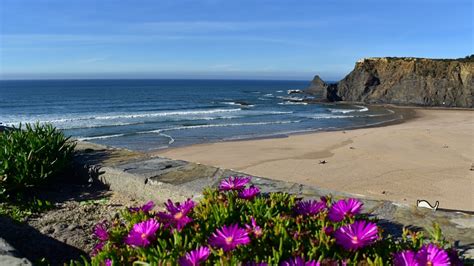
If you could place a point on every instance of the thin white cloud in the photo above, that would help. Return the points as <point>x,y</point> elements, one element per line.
<point>32,40</point>
<point>224,67</point>
<point>220,26</point>
<point>91,60</point>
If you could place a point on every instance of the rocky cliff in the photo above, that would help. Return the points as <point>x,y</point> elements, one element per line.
<point>404,81</point>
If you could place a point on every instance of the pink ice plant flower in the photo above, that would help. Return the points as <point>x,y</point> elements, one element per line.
<point>344,208</point>
<point>253,228</point>
<point>177,216</point>
<point>249,193</point>
<point>143,233</point>
<point>356,235</point>
<point>298,261</point>
<point>195,257</point>
<point>97,248</point>
<point>108,262</point>
<point>309,207</point>
<point>328,230</point>
<point>454,258</point>
<point>234,183</point>
<point>229,237</point>
<point>100,231</point>
<point>405,258</point>
<point>147,207</point>
<point>432,255</point>
<point>429,254</point>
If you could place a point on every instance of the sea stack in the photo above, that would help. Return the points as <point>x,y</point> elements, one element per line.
<point>403,81</point>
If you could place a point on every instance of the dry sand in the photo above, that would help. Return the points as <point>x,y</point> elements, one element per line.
<point>428,157</point>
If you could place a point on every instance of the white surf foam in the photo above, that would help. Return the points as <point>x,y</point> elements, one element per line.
<point>219,125</point>
<point>91,121</point>
<point>168,136</point>
<point>362,108</point>
<point>342,111</point>
<point>293,103</point>
<point>238,104</point>
<point>100,137</point>
<point>346,111</point>
<point>173,113</point>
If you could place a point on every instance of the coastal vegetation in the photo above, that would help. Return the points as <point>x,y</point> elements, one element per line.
<point>236,224</point>
<point>30,156</point>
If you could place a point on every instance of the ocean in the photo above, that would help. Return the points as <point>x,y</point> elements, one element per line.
<point>148,115</point>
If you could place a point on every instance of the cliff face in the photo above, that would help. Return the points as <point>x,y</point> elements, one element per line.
<point>405,81</point>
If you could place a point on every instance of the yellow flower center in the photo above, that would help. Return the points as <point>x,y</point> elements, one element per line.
<point>178,215</point>
<point>143,236</point>
<point>228,240</point>
<point>429,263</point>
<point>355,240</point>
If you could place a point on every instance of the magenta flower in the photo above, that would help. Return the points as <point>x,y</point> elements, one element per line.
<point>234,183</point>
<point>100,231</point>
<point>432,255</point>
<point>108,262</point>
<point>253,228</point>
<point>145,208</point>
<point>328,230</point>
<point>142,233</point>
<point>454,258</point>
<point>309,207</point>
<point>405,258</point>
<point>357,235</point>
<point>249,193</point>
<point>324,199</point>
<point>229,237</point>
<point>98,248</point>
<point>177,214</point>
<point>298,261</point>
<point>195,257</point>
<point>344,208</point>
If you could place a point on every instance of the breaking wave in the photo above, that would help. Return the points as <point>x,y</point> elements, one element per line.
<point>219,125</point>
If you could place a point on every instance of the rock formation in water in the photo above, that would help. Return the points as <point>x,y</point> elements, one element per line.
<point>404,81</point>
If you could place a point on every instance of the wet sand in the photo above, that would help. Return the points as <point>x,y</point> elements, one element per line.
<point>428,157</point>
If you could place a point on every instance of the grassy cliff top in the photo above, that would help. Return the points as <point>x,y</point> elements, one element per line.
<point>469,58</point>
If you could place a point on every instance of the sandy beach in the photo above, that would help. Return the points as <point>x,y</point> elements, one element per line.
<point>428,157</point>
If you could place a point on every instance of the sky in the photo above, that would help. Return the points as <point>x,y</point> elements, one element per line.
<point>228,39</point>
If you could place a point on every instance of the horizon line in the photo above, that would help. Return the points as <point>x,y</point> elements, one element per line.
<point>230,79</point>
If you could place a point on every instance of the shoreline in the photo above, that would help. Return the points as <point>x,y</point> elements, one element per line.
<point>426,155</point>
<point>406,112</point>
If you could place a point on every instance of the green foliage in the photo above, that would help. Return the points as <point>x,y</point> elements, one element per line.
<point>20,210</point>
<point>32,156</point>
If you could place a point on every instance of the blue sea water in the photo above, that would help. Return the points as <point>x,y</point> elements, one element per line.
<point>156,114</point>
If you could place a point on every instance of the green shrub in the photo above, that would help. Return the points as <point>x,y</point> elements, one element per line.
<point>32,156</point>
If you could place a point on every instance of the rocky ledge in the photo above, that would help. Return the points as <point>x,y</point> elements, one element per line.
<point>403,81</point>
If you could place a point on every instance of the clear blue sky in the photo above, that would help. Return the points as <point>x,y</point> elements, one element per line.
<point>262,39</point>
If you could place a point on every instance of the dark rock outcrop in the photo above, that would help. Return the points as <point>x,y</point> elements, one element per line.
<point>323,91</point>
<point>404,81</point>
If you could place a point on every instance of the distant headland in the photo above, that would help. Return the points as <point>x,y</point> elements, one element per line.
<point>403,81</point>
